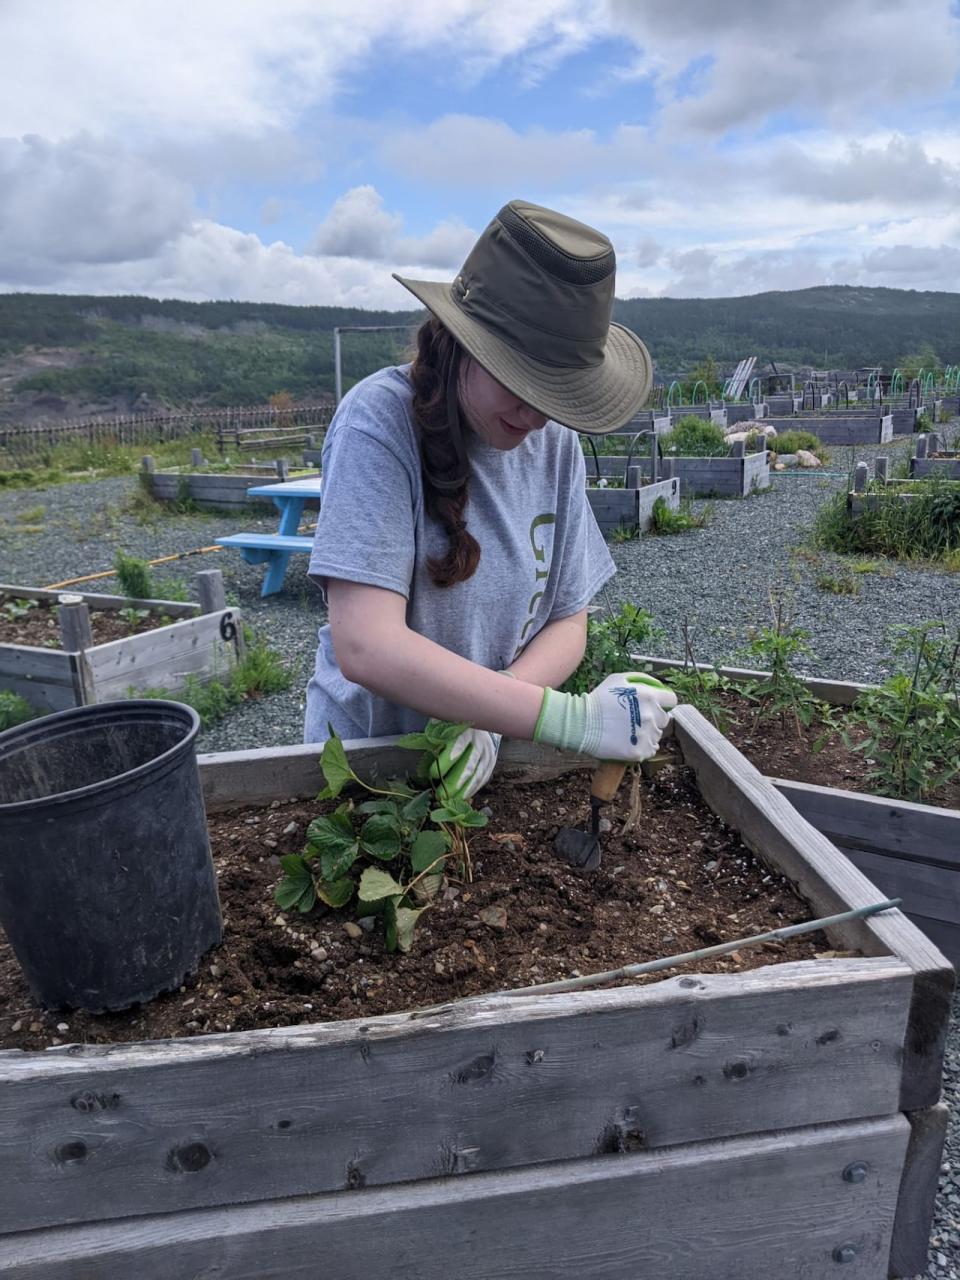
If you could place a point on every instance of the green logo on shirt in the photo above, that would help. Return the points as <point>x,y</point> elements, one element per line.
<point>540,555</point>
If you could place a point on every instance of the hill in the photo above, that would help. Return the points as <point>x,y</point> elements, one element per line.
<point>63,354</point>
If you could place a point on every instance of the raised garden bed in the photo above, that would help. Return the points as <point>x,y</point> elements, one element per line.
<point>217,489</point>
<point>86,666</point>
<point>842,428</point>
<point>908,850</point>
<point>735,476</point>
<point>931,460</point>
<point>745,412</point>
<point>630,509</point>
<point>865,496</point>
<point>514,1134</point>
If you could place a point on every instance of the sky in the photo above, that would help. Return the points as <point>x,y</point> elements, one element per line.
<point>300,151</point>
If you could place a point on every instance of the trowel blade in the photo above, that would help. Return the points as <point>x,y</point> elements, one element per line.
<point>580,848</point>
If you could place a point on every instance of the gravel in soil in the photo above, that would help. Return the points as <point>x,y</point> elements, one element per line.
<point>682,882</point>
<point>39,626</point>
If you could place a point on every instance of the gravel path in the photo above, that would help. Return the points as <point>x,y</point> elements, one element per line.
<point>719,577</point>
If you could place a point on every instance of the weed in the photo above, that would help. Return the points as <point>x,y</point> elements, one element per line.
<point>792,441</point>
<point>132,616</point>
<point>839,583</point>
<point>623,533</point>
<point>871,566</point>
<point>702,689</point>
<point>782,692</point>
<point>399,841</point>
<point>693,437</point>
<point>13,610</point>
<point>924,525</point>
<point>912,720</point>
<point>134,576</point>
<point>14,710</point>
<point>610,642</point>
<point>666,520</point>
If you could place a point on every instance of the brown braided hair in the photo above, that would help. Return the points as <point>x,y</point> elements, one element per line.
<point>435,375</point>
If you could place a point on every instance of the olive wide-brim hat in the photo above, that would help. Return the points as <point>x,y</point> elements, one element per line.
<point>532,305</point>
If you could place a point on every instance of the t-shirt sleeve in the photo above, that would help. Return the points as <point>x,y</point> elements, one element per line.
<point>365,529</point>
<point>585,563</point>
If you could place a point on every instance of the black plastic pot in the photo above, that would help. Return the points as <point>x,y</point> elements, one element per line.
<point>107,888</point>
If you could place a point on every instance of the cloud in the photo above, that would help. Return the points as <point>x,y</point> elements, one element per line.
<point>470,150</point>
<point>754,59</point>
<point>359,226</point>
<point>897,173</point>
<point>82,202</point>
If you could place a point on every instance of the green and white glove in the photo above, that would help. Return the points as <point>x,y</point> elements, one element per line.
<point>622,719</point>
<point>466,764</point>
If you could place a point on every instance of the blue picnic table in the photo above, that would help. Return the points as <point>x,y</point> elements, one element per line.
<point>275,549</point>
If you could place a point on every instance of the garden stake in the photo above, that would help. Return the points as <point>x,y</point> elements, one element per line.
<point>705,953</point>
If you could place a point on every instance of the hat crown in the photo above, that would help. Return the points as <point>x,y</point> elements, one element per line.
<point>542,283</point>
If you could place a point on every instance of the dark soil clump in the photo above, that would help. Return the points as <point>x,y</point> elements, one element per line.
<point>682,882</point>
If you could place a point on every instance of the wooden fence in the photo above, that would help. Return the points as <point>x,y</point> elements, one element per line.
<point>23,445</point>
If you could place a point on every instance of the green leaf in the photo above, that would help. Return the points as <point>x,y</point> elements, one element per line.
<point>330,834</point>
<point>473,819</point>
<point>460,812</point>
<point>375,883</point>
<point>336,893</point>
<point>439,733</point>
<point>335,768</point>
<point>415,742</point>
<point>378,806</point>
<point>427,848</point>
<point>418,806</point>
<point>406,923</point>
<point>380,837</point>
<point>337,862</point>
<point>296,888</point>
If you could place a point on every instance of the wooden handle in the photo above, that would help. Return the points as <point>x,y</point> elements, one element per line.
<point>607,778</point>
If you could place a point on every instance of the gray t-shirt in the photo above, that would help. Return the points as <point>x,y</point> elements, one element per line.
<point>542,555</point>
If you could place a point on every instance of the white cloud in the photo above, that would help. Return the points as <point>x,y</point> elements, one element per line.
<point>359,226</point>
<point>86,202</point>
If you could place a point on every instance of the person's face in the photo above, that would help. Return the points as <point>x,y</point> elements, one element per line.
<point>497,416</point>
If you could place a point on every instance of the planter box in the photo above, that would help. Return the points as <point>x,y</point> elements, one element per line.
<point>779,405</point>
<point>734,477</point>
<point>745,412</point>
<point>944,463</point>
<point>200,644</point>
<point>775,1122</point>
<point>631,509</point>
<point>842,428</point>
<point>216,491</point>
<point>910,851</point>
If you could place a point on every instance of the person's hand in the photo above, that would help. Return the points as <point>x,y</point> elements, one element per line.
<point>621,719</point>
<point>464,766</point>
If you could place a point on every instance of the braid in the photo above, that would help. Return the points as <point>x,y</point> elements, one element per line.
<point>435,374</point>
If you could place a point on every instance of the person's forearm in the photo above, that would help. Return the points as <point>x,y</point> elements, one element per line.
<point>406,668</point>
<point>554,653</point>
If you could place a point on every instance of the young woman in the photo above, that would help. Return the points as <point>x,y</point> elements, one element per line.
<point>455,544</point>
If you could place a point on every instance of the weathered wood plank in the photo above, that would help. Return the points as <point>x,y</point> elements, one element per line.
<point>916,832</point>
<point>484,1084</point>
<point>162,658</point>
<point>771,1206</point>
<point>918,1191</point>
<point>174,608</point>
<point>770,826</point>
<point>233,778</point>
<point>48,678</point>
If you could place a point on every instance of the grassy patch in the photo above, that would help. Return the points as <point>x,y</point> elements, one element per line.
<point>666,520</point>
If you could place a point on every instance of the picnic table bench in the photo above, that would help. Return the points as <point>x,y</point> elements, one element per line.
<point>275,549</point>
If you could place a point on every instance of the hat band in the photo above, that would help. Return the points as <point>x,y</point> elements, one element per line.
<point>540,345</point>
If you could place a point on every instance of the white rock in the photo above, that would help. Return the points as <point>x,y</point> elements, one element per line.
<point>807,459</point>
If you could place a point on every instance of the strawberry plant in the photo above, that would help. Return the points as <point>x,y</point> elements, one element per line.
<point>386,855</point>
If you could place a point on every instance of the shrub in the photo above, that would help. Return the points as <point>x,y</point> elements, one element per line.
<point>925,526</point>
<point>134,576</point>
<point>695,437</point>
<point>791,441</point>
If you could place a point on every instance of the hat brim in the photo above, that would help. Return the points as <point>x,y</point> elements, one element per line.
<point>596,399</point>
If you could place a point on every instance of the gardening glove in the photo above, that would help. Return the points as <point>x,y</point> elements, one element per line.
<point>622,719</point>
<point>466,764</point>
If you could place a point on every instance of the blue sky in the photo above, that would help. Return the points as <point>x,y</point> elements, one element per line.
<point>301,150</point>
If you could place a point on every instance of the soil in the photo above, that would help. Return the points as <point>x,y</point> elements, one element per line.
<point>683,882</point>
<point>40,626</point>
<point>779,750</point>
